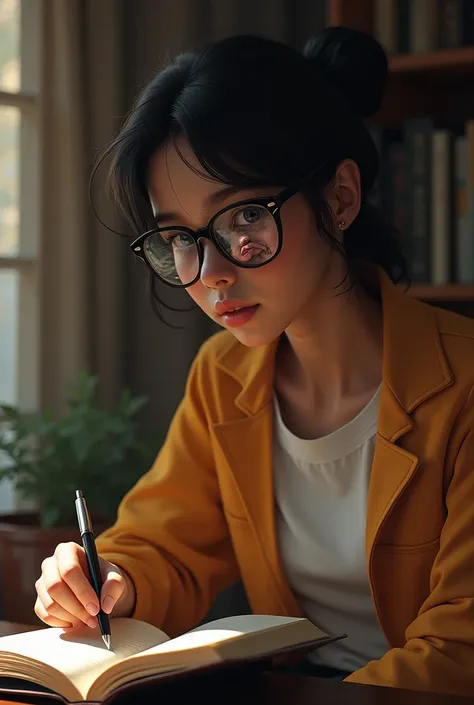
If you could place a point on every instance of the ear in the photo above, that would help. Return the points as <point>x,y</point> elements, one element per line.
<point>343,195</point>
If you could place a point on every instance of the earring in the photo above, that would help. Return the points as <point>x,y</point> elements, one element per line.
<point>341,224</point>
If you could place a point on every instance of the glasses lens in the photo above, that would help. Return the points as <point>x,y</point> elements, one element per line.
<point>173,254</point>
<point>248,234</point>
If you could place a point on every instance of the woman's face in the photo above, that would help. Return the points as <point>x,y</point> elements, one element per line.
<point>272,297</point>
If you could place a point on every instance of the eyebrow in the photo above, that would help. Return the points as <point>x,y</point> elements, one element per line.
<point>212,199</point>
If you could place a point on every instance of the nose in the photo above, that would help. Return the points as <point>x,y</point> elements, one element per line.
<point>216,270</point>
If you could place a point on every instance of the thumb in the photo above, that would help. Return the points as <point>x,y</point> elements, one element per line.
<point>112,588</point>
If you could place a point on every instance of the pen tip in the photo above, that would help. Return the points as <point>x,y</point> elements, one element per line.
<point>106,639</point>
<point>78,494</point>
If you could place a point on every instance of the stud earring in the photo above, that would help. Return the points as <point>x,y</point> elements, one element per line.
<point>341,224</point>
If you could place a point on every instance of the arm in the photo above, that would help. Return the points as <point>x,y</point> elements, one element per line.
<point>171,537</point>
<point>439,650</point>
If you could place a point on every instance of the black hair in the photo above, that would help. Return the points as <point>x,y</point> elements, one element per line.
<point>258,112</point>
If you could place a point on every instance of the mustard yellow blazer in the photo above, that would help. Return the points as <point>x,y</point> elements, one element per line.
<point>204,514</point>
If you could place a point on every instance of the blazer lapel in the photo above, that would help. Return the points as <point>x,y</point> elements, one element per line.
<point>246,447</point>
<point>392,467</point>
<point>245,451</point>
<point>409,379</point>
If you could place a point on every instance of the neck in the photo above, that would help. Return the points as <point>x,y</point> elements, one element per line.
<point>333,349</point>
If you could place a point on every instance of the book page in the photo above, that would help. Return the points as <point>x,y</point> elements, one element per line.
<point>247,635</point>
<point>80,653</point>
<point>229,628</point>
<point>248,623</point>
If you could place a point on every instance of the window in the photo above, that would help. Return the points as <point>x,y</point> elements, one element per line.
<point>20,35</point>
<point>20,24</point>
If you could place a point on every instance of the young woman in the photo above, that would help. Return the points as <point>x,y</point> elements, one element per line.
<point>324,448</point>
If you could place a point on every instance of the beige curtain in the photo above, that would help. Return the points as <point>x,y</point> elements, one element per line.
<point>95,310</point>
<point>82,265</point>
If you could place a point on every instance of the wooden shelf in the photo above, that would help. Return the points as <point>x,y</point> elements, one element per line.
<point>447,292</point>
<point>448,61</point>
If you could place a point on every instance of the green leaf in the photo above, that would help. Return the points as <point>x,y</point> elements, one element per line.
<point>101,451</point>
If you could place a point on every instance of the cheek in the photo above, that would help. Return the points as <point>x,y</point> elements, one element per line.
<point>198,294</point>
<point>303,249</point>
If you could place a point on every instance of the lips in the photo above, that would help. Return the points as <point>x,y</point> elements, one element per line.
<point>239,316</point>
<point>231,305</point>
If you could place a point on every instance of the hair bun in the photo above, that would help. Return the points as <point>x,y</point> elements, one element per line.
<point>355,62</point>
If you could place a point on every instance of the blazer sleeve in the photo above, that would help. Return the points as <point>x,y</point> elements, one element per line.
<point>171,535</point>
<point>439,651</point>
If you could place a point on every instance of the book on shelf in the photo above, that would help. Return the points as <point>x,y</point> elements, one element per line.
<point>415,26</point>
<point>427,178</point>
<point>74,665</point>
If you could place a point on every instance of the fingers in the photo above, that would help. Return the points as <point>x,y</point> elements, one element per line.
<point>51,621</point>
<point>58,598</point>
<point>65,596</point>
<point>71,564</point>
<point>112,588</point>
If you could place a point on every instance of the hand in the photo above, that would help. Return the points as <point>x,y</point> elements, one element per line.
<point>67,599</point>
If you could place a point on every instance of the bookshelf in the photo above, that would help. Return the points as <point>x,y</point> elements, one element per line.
<point>446,292</point>
<point>443,64</point>
<point>437,83</point>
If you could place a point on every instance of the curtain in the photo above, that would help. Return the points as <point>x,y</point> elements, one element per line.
<point>82,274</point>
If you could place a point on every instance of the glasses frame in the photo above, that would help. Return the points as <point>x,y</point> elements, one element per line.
<point>271,203</point>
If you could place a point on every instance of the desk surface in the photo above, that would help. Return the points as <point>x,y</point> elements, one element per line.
<point>282,689</point>
<point>272,689</point>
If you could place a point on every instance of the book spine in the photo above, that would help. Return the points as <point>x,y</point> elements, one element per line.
<point>375,197</point>
<point>467,22</point>
<point>423,25</point>
<point>441,206</point>
<point>465,258</point>
<point>450,30</point>
<point>382,137</point>
<point>403,26</point>
<point>385,24</point>
<point>462,229</point>
<point>397,201</point>
<point>418,136</point>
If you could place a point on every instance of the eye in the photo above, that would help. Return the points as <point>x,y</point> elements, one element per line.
<point>177,239</point>
<point>250,215</point>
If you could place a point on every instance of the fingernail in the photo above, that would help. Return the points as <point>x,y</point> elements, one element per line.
<point>92,609</point>
<point>108,604</point>
<point>92,623</point>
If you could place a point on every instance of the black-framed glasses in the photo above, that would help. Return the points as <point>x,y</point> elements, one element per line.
<point>248,233</point>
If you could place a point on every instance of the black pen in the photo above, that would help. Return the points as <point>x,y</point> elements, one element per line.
<point>87,536</point>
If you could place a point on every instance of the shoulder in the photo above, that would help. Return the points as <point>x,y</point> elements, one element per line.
<point>454,325</point>
<point>457,338</point>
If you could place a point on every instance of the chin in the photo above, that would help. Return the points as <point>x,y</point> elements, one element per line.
<point>253,339</point>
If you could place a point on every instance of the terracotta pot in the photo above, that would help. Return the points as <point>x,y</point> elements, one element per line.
<point>24,544</point>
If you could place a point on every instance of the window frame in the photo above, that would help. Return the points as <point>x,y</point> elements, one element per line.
<point>26,263</point>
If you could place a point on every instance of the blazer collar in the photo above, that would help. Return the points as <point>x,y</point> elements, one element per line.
<point>414,365</point>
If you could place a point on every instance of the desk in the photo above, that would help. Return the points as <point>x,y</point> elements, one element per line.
<point>270,689</point>
<point>282,689</point>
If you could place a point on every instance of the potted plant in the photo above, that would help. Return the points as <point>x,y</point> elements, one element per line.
<point>48,458</point>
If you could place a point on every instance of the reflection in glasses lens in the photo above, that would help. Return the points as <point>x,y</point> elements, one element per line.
<point>173,254</point>
<point>247,234</point>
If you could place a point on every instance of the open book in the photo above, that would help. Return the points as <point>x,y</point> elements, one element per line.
<point>76,665</point>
